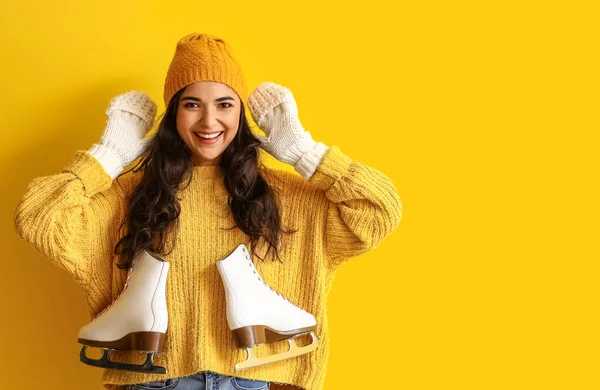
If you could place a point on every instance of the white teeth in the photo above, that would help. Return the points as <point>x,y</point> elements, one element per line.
<point>208,136</point>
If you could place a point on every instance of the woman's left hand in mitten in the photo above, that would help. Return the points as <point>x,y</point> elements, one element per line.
<point>274,110</point>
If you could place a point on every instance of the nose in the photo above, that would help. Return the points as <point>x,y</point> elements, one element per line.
<point>208,117</point>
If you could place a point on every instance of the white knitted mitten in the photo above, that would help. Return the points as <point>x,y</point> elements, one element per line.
<point>130,117</point>
<point>274,110</point>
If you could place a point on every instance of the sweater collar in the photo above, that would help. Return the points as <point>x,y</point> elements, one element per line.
<point>206,171</point>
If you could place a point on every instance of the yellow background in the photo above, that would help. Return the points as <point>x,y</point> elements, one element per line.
<point>484,115</point>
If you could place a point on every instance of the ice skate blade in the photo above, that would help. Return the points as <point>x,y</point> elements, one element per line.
<point>105,362</point>
<point>294,351</point>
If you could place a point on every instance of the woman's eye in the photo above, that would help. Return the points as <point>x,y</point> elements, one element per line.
<point>188,105</point>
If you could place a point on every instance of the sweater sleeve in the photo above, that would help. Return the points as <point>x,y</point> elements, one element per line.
<point>65,215</point>
<point>364,206</point>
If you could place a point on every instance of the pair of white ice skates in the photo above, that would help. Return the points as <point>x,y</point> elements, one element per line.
<point>138,318</point>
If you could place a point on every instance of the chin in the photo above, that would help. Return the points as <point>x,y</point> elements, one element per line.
<point>207,157</point>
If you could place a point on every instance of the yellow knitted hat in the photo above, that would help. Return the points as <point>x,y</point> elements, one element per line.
<point>204,57</point>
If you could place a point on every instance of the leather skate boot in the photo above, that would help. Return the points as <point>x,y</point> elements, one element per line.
<point>136,320</point>
<point>258,314</point>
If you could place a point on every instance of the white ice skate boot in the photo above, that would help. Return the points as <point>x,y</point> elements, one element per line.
<point>136,320</point>
<point>257,314</point>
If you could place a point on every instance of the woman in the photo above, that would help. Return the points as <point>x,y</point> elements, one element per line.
<point>201,198</point>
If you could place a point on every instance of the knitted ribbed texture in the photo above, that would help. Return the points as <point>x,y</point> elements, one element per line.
<point>346,208</point>
<point>308,163</point>
<point>130,117</point>
<point>274,110</point>
<point>266,97</point>
<point>204,57</point>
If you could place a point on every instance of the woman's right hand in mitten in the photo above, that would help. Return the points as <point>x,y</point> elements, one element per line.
<point>130,116</point>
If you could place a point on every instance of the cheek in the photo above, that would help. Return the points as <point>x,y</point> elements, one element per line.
<point>233,125</point>
<point>182,124</point>
<point>178,124</point>
<point>234,119</point>
<point>231,134</point>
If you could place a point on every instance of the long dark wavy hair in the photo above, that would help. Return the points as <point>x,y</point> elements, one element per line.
<point>153,207</point>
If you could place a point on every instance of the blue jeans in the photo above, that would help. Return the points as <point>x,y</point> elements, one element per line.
<point>204,380</point>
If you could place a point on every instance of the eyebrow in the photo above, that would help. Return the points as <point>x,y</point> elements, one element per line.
<point>200,100</point>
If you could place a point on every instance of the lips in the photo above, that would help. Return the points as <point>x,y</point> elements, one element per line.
<point>208,140</point>
<point>216,132</point>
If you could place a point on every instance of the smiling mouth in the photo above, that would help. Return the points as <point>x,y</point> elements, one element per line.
<point>211,138</point>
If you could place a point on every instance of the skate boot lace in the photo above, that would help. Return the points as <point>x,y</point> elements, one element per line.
<point>116,299</point>
<point>261,279</point>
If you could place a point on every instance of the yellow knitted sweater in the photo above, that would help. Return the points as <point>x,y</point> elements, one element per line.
<point>345,209</point>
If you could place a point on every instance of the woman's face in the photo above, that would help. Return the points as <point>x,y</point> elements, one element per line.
<point>208,107</point>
